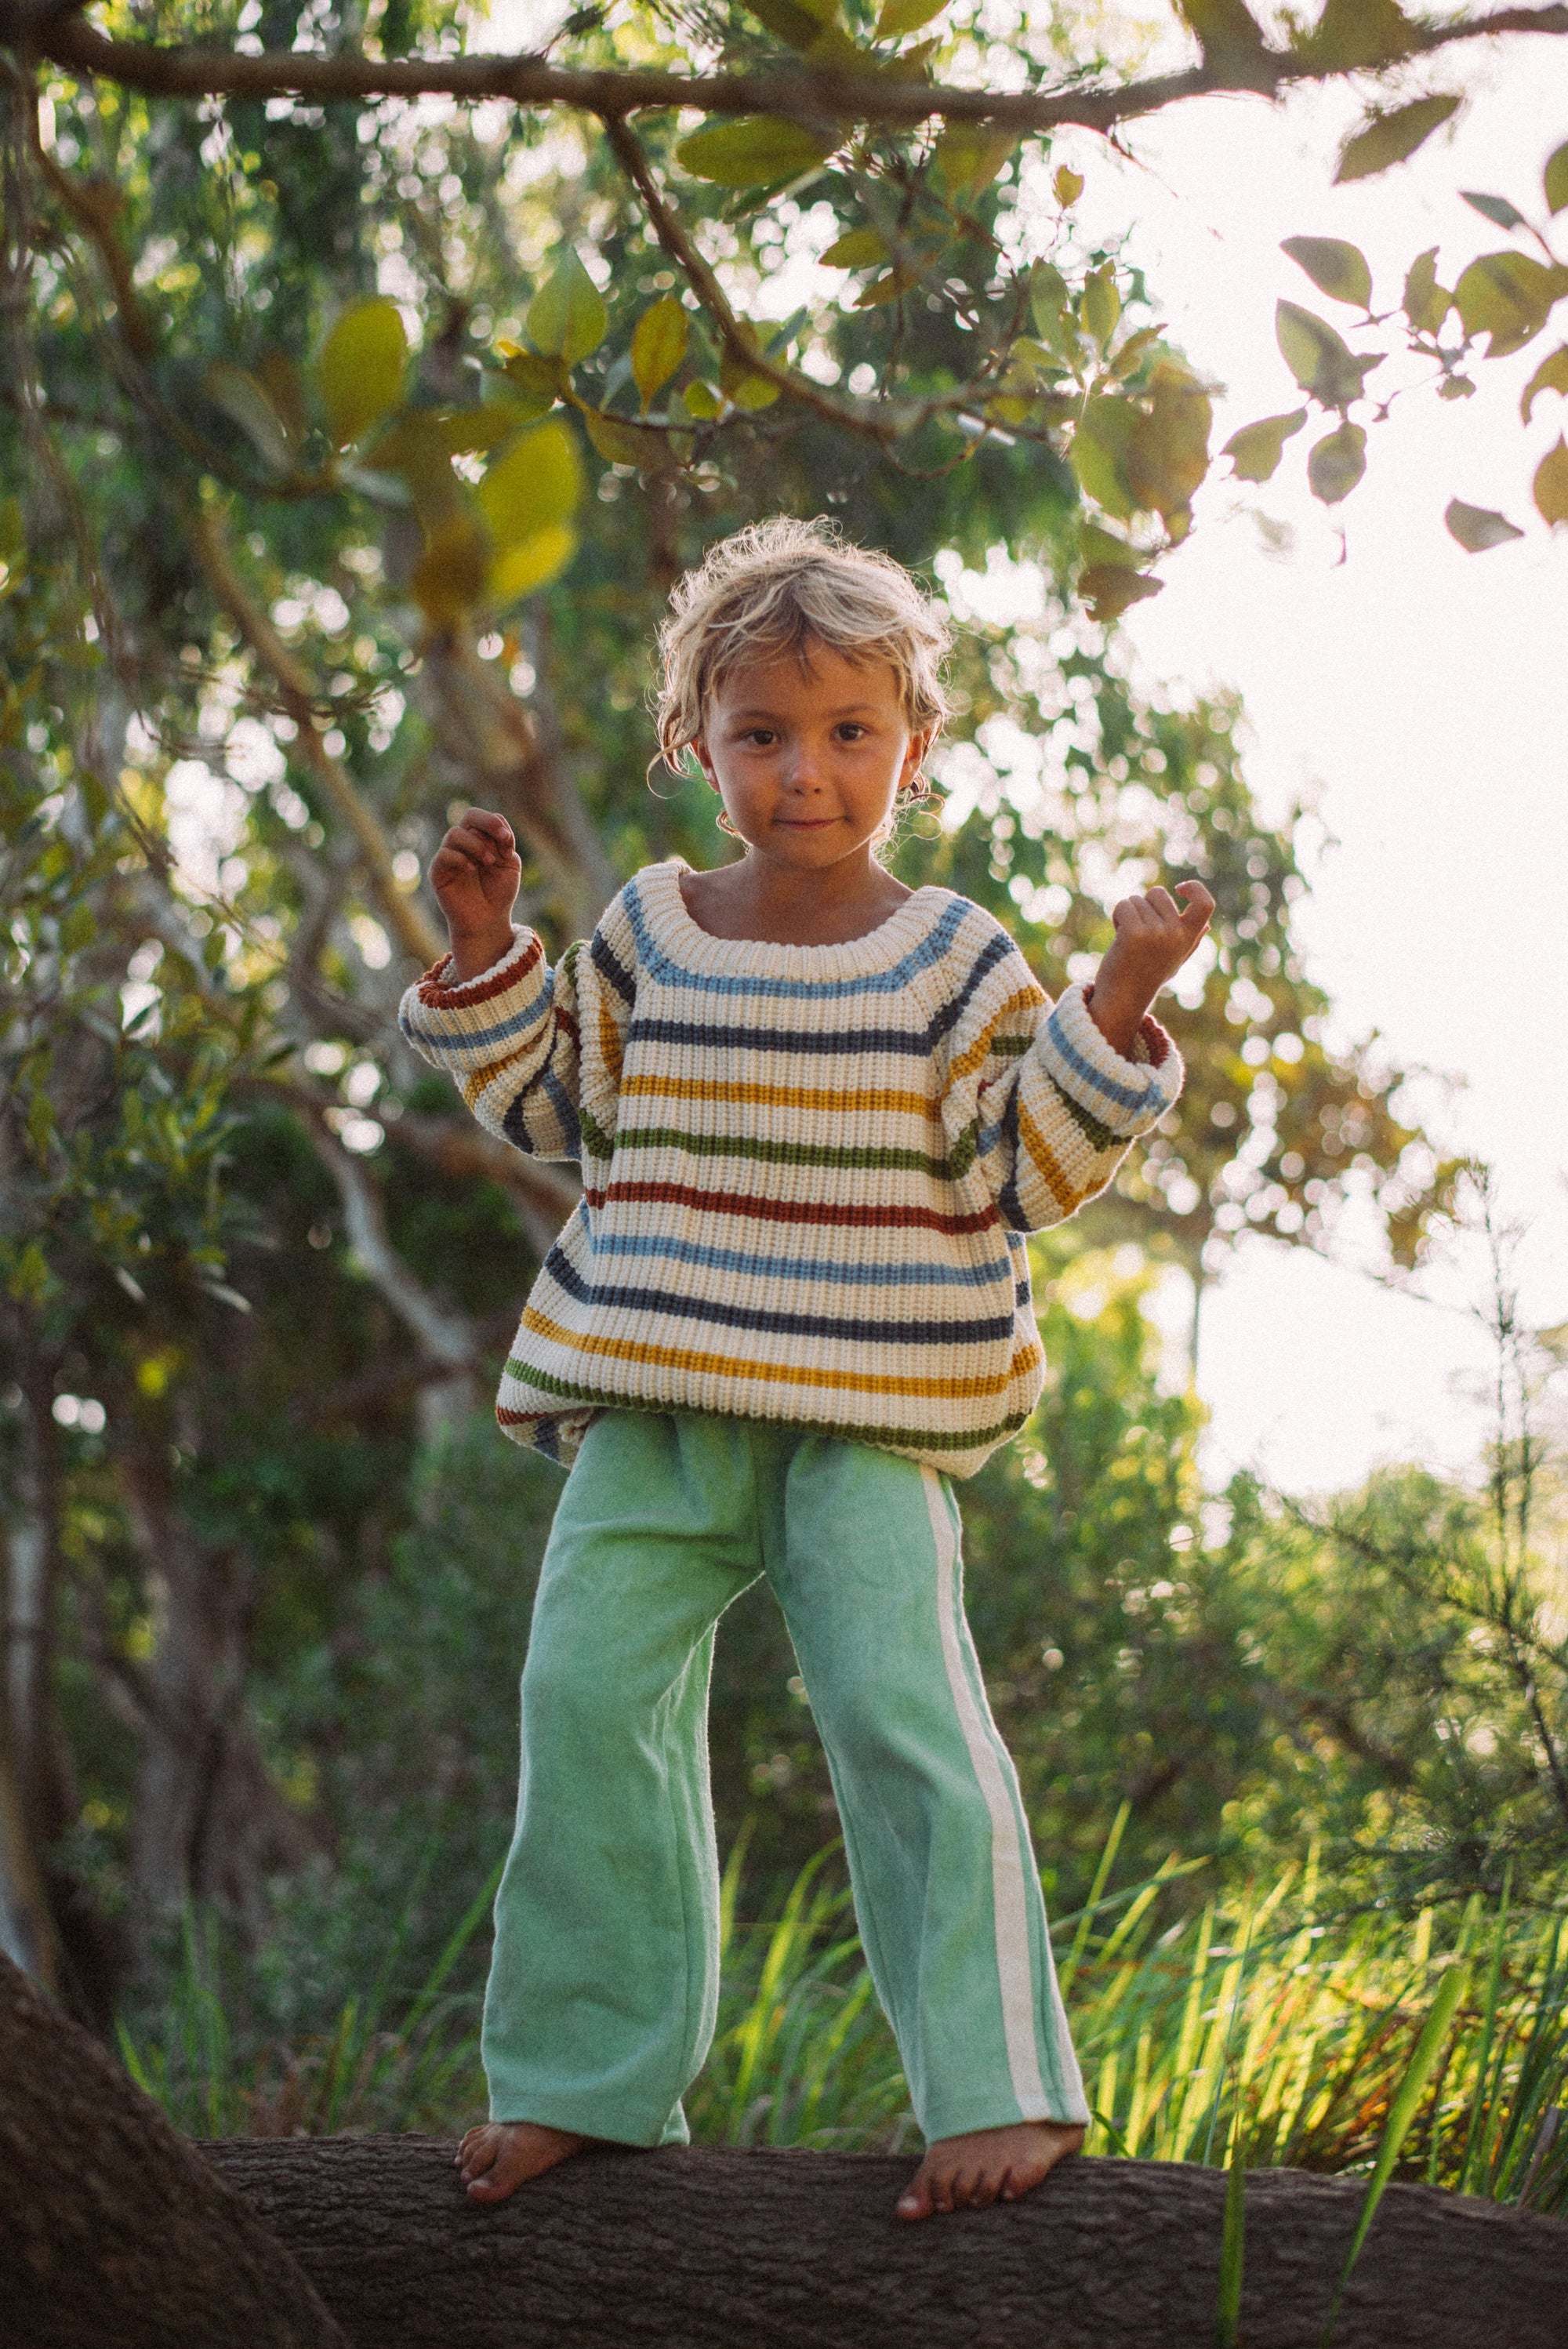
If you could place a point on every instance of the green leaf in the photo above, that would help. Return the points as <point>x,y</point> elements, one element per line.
<point>1338,463</point>
<point>1426,303</point>
<point>239,396</point>
<point>535,487</point>
<point>449,578</point>
<point>1477,528</point>
<point>1552,375</point>
<point>1554,179</point>
<point>567,318</point>
<point>1167,453</point>
<point>1100,547</point>
<point>1108,589</point>
<point>1496,209</point>
<point>1104,431</point>
<point>1225,29</point>
<point>1397,2128</point>
<point>540,381</point>
<point>1255,451</point>
<point>860,248</point>
<point>1335,268</point>
<point>970,155</point>
<point>752,151</point>
<point>1387,139</point>
<point>1100,307</point>
<point>703,400</point>
<point>900,16</point>
<point>1351,34</point>
<point>532,564</point>
<point>1551,484</point>
<point>1508,297</point>
<point>659,346</point>
<point>1320,359</point>
<point>360,371</point>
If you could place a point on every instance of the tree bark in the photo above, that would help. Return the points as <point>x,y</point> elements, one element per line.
<point>801,2250</point>
<point>114,2234</point>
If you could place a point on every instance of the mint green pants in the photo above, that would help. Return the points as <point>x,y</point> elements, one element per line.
<point>603,1984</point>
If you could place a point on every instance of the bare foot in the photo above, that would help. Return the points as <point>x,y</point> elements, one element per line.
<point>997,2165</point>
<point>499,2157</point>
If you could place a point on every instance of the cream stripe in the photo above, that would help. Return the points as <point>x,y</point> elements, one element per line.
<point>1010,1908</point>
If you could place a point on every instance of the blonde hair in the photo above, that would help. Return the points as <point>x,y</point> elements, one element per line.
<point>782,587</point>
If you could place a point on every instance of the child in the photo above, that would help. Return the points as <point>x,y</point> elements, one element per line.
<point>817,1112</point>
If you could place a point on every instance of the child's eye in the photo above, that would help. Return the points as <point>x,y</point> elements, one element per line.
<point>850,730</point>
<point>761,735</point>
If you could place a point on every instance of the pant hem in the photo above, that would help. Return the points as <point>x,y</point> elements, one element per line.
<point>612,2128</point>
<point>962,2120</point>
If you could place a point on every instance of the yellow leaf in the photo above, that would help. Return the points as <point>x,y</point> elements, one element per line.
<point>659,346</point>
<point>1508,297</point>
<point>703,402</point>
<point>1067,186</point>
<point>1426,303</point>
<point>1554,179</point>
<point>900,16</point>
<point>1335,267</point>
<point>530,564</point>
<point>970,156</point>
<point>360,371</point>
<point>1100,307</point>
<point>1351,34</point>
<point>1551,484</point>
<point>534,488</point>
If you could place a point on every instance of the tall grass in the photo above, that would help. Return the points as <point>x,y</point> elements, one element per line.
<point>1253,2029</point>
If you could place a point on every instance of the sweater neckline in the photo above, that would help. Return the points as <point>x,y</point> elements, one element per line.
<point>665,912</point>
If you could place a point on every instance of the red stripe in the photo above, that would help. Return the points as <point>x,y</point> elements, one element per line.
<point>784,1211</point>
<point>467,992</point>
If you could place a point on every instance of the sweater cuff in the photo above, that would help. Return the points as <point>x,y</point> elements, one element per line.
<point>1126,1097</point>
<point>462,1022</point>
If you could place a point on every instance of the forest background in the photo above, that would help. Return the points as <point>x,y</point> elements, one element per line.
<point>298,558</point>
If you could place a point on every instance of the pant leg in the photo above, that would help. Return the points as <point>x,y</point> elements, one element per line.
<point>603,1982</point>
<point>946,1888</point>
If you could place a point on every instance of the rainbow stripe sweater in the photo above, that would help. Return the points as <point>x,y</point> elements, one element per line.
<point>807,1171</point>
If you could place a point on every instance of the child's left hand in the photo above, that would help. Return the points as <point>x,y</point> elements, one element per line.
<point>1154,937</point>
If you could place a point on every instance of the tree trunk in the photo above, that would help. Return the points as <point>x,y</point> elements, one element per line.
<point>114,2234</point>
<point>801,2250</point>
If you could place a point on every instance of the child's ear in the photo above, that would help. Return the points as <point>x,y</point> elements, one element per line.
<point>699,748</point>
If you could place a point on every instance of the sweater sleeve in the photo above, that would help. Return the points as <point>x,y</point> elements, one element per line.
<point>1040,1101</point>
<point>534,1051</point>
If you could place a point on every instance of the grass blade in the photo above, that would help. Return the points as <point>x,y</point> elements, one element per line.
<point>1232,2242</point>
<point>1402,2112</point>
<point>1101,1877</point>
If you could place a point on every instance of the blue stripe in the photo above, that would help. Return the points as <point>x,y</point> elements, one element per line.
<point>788,1267</point>
<point>472,1038</point>
<point>931,949</point>
<point>596,1295</point>
<point>1107,1086</point>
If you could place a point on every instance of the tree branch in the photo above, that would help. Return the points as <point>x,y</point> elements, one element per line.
<point>871,98</point>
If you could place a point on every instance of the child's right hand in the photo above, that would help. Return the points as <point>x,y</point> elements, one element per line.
<point>475,875</point>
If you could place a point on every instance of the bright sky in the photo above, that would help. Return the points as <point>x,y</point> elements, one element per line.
<point>1422,691</point>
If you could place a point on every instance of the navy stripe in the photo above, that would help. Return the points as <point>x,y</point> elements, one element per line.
<point>598,1294</point>
<point>1007,1199</point>
<point>606,963</point>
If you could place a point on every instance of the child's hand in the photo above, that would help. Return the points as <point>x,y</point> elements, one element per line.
<point>1153,939</point>
<point>475,875</point>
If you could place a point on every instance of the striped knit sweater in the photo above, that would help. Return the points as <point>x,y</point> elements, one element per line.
<point>807,1171</point>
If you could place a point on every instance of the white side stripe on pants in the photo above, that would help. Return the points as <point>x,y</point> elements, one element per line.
<point>1007,1858</point>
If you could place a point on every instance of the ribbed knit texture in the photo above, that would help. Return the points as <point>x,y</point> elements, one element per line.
<point>807,1171</point>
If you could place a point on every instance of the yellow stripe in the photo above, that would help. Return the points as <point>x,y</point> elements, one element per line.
<point>610,1044</point>
<point>813,1097</point>
<point>482,1079</point>
<point>1045,1159</point>
<point>960,1068</point>
<point>724,1366</point>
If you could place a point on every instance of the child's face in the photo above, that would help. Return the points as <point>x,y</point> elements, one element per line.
<point>809,756</point>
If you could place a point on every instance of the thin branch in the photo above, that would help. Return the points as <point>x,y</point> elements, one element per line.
<point>448,1337</point>
<point>416,932</point>
<point>871,98</point>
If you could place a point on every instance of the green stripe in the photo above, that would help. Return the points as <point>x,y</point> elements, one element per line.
<point>951,1169</point>
<point>1010,1047</point>
<point>596,1142</point>
<point>1099,1136</point>
<point>910,1439</point>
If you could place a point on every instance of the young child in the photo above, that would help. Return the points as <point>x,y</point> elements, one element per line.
<point>817,1113</point>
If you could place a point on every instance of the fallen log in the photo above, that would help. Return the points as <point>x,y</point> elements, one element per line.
<point>706,2249</point>
<point>114,2233</point>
